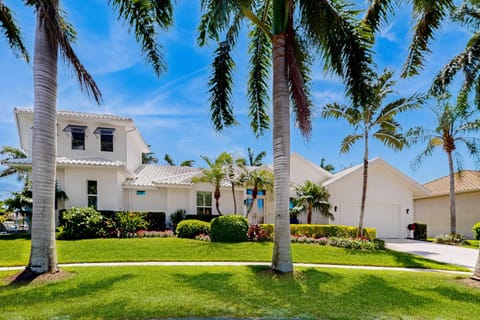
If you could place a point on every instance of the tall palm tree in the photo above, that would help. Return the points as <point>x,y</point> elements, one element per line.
<point>255,160</point>
<point>310,197</point>
<point>10,29</point>
<point>235,173</point>
<point>214,174</point>
<point>53,34</point>
<point>169,160</point>
<point>455,125</point>
<point>258,179</point>
<point>12,153</point>
<point>285,37</point>
<point>375,120</point>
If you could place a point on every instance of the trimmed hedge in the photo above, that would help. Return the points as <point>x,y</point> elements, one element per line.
<point>192,228</point>
<point>324,230</point>
<point>420,231</point>
<point>476,231</point>
<point>230,228</point>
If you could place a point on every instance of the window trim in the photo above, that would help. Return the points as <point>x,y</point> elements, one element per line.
<point>73,130</point>
<point>105,132</point>
<point>92,195</point>
<point>204,207</point>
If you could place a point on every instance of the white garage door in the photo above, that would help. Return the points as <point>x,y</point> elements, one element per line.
<point>383,217</point>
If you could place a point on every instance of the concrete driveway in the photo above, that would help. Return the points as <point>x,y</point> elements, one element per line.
<point>464,257</point>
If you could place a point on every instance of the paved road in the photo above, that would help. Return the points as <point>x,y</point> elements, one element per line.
<point>459,256</point>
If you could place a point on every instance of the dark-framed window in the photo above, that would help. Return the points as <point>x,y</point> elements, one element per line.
<point>204,202</point>
<point>92,195</point>
<point>106,138</point>
<point>78,136</point>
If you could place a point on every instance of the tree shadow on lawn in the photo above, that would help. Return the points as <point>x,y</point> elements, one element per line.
<point>308,293</point>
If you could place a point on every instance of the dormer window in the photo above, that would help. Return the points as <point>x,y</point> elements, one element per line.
<point>78,136</point>
<point>106,138</point>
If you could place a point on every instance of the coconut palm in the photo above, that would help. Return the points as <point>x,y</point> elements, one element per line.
<point>455,124</point>
<point>235,173</point>
<point>312,197</point>
<point>375,120</point>
<point>149,157</point>
<point>258,179</point>
<point>285,36</point>
<point>214,174</point>
<point>169,160</point>
<point>427,16</point>
<point>10,29</point>
<point>255,160</point>
<point>476,271</point>
<point>468,61</point>
<point>11,154</point>
<point>53,35</point>
<point>326,166</point>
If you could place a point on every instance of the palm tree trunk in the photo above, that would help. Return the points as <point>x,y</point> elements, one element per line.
<point>476,271</point>
<point>43,255</point>
<point>364,188</point>
<point>282,255</point>
<point>217,200</point>
<point>453,213</point>
<point>234,200</point>
<point>254,197</point>
<point>309,214</point>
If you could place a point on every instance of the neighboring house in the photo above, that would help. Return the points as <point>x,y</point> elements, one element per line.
<point>99,164</point>
<point>434,209</point>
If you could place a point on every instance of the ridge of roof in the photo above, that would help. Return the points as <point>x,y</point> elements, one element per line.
<point>77,114</point>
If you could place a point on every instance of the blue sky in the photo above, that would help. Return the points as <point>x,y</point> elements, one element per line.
<point>172,112</point>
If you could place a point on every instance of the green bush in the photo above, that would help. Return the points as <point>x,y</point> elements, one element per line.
<point>476,231</point>
<point>453,238</point>
<point>126,224</point>
<point>192,228</point>
<point>324,230</point>
<point>155,220</point>
<point>419,231</point>
<point>81,223</point>
<point>229,228</point>
<point>176,217</point>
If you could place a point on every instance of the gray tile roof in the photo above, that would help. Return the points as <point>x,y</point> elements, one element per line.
<point>67,161</point>
<point>149,175</point>
<point>83,115</point>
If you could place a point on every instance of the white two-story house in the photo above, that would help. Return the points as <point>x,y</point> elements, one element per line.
<point>99,164</point>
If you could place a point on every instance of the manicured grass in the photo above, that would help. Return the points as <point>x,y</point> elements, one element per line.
<point>473,244</point>
<point>15,252</point>
<point>241,292</point>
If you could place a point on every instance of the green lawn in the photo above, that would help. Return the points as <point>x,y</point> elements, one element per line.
<point>162,292</point>
<point>15,253</point>
<point>473,244</point>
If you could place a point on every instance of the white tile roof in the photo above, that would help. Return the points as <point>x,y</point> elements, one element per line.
<point>83,115</point>
<point>85,162</point>
<point>149,175</point>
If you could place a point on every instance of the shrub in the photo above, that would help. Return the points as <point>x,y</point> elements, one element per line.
<point>419,231</point>
<point>230,228</point>
<point>258,233</point>
<point>452,238</point>
<point>125,224</point>
<point>81,223</point>
<point>324,230</point>
<point>476,231</point>
<point>192,228</point>
<point>155,220</point>
<point>176,217</point>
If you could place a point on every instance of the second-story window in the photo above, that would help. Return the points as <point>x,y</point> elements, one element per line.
<point>106,138</point>
<point>78,136</point>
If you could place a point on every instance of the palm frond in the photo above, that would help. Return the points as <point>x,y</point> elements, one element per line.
<point>216,18</point>
<point>429,15</point>
<point>403,104</point>
<point>468,14</point>
<point>62,34</point>
<point>331,27</point>
<point>12,32</point>
<point>349,141</point>
<point>336,111</point>
<point>427,152</point>
<point>391,139</point>
<point>378,11</point>
<point>260,68</point>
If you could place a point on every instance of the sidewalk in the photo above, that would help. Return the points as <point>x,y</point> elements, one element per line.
<point>464,257</point>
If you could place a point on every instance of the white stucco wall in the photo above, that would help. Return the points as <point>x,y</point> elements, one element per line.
<point>388,198</point>
<point>109,190</point>
<point>302,170</point>
<point>435,212</point>
<point>154,200</point>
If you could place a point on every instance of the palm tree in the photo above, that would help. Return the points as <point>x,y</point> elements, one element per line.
<point>326,166</point>
<point>285,36</point>
<point>235,173</point>
<point>53,34</point>
<point>476,271</point>
<point>310,197</point>
<point>148,157</point>
<point>374,120</point>
<point>169,160</point>
<point>11,154</point>
<point>454,123</point>
<point>12,32</point>
<point>258,179</point>
<point>214,174</point>
<point>255,160</point>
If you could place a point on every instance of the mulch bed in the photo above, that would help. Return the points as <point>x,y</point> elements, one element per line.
<point>26,277</point>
